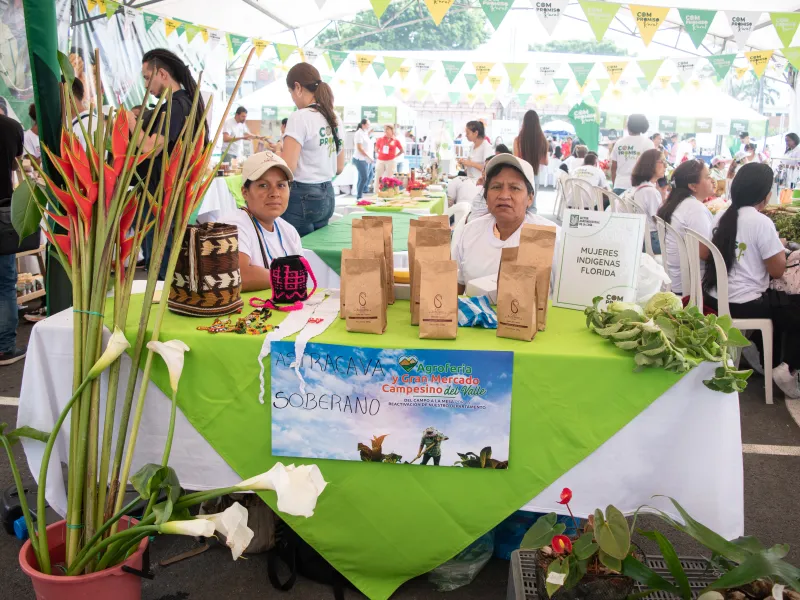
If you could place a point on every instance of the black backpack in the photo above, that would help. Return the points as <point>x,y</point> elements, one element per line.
<point>301,559</point>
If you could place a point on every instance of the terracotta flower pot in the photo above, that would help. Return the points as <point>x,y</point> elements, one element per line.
<point>110,583</point>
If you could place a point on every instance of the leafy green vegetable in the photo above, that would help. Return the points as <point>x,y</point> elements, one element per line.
<point>663,302</point>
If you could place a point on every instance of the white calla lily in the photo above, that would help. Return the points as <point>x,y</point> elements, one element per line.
<point>172,352</point>
<point>116,346</point>
<point>195,527</point>
<point>297,488</point>
<point>232,523</point>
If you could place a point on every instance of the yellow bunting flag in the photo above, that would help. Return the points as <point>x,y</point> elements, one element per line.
<point>482,70</point>
<point>259,45</point>
<point>364,61</point>
<point>740,71</point>
<point>495,81</point>
<point>101,4</point>
<point>471,97</point>
<point>438,9</point>
<point>204,33</point>
<point>403,72</point>
<point>91,5</point>
<point>759,60</point>
<point>664,80</point>
<point>170,25</point>
<point>648,20</point>
<point>615,69</point>
<point>405,93</point>
<point>357,85</point>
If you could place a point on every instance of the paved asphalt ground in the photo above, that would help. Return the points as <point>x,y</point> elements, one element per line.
<point>771,439</point>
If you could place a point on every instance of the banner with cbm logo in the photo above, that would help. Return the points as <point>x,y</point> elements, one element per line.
<point>422,407</point>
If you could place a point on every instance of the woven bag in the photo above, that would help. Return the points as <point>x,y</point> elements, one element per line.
<point>207,281</point>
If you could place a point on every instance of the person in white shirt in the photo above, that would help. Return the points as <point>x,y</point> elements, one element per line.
<point>753,252</point>
<point>481,150</point>
<point>30,141</point>
<point>263,235</point>
<point>792,145</point>
<point>650,167</point>
<point>627,151</point>
<point>235,132</point>
<point>577,159</point>
<point>682,209</point>
<point>85,120</point>
<point>589,171</point>
<point>363,157</point>
<point>312,148</point>
<point>509,193</point>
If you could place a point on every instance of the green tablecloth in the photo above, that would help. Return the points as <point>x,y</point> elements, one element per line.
<point>381,525</point>
<point>327,243</point>
<point>435,205</point>
<point>234,183</point>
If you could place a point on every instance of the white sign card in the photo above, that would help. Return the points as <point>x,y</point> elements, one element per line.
<point>598,256</point>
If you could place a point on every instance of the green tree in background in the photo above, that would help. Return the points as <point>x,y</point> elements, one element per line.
<point>458,31</point>
<point>748,90</point>
<point>580,47</point>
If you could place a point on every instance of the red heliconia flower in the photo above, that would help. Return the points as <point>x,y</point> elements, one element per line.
<point>172,172</point>
<point>566,496</point>
<point>561,544</point>
<point>125,247</point>
<point>120,137</point>
<point>63,161</point>
<point>63,242</point>
<point>80,164</point>
<point>62,220</point>
<point>64,199</point>
<point>110,176</point>
<point>128,215</point>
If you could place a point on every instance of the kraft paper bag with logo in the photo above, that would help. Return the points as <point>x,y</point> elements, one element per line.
<point>438,300</point>
<point>365,303</point>
<point>346,253</point>
<point>368,243</point>
<point>388,252</point>
<point>432,244</point>
<point>516,302</point>
<point>413,226</point>
<point>536,247</point>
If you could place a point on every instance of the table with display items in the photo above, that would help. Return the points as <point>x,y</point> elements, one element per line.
<point>580,418</point>
<point>434,204</point>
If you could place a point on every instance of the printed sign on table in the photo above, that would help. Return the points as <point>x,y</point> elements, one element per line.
<point>598,256</point>
<point>397,406</point>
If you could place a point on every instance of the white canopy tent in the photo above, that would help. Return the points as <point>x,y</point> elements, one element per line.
<point>559,127</point>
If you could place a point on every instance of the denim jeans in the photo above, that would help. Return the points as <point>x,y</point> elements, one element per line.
<point>363,167</point>
<point>8,303</point>
<point>310,206</point>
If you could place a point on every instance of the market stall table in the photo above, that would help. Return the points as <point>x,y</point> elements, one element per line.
<point>423,206</point>
<point>580,418</point>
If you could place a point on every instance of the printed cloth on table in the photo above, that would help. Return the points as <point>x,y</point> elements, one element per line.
<point>476,312</point>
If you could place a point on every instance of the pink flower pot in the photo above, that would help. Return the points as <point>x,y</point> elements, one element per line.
<point>110,583</point>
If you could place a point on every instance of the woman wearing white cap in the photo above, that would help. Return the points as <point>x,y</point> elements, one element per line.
<point>263,234</point>
<point>509,191</point>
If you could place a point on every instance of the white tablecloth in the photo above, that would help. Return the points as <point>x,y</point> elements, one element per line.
<point>218,201</point>
<point>687,444</point>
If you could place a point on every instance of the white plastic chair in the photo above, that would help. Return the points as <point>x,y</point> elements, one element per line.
<point>459,210</point>
<point>335,217</point>
<point>458,230</point>
<point>693,241</point>
<point>625,205</point>
<point>561,197</point>
<point>580,194</point>
<point>663,228</point>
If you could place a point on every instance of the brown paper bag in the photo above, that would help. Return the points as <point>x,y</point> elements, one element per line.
<point>365,301</point>
<point>516,302</point>
<point>346,253</point>
<point>413,226</point>
<point>388,252</point>
<point>432,243</point>
<point>438,293</point>
<point>536,246</point>
<point>368,242</point>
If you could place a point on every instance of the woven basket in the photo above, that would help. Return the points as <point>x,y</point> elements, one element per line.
<point>207,281</point>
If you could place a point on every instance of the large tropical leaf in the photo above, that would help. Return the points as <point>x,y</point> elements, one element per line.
<point>634,569</point>
<point>672,560</point>
<point>26,208</point>
<point>612,533</point>
<point>542,531</point>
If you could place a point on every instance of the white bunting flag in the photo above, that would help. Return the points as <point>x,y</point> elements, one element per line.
<point>741,23</point>
<point>422,66</point>
<point>549,12</point>
<point>312,55</point>
<point>320,4</point>
<point>214,38</point>
<point>129,18</point>
<point>685,68</point>
<point>546,71</point>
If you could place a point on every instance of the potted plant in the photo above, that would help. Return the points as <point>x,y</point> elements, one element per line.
<point>416,188</point>
<point>96,212</point>
<point>390,187</point>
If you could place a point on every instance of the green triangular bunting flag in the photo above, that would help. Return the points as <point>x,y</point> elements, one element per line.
<point>111,8</point>
<point>182,27</point>
<point>523,99</point>
<point>677,86</point>
<point>191,32</point>
<point>603,85</point>
<point>452,68</point>
<point>471,78</point>
<point>722,63</point>
<point>284,50</point>
<point>599,15</point>
<point>697,23</point>
<point>496,10</point>
<point>427,77</point>
<point>337,58</point>
<point>455,97</point>
<point>581,71</point>
<point>379,6</point>
<point>388,90</point>
<point>236,41</point>
<point>644,82</point>
<point>597,94</point>
<point>392,64</point>
<point>149,19</point>
<point>514,71</point>
<point>327,78</point>
<point>379,68</point>
<point>488,99</point>
<point>650,68</point>
<point>561,84</point>
<point>793,56</point>
<point>785,24</point>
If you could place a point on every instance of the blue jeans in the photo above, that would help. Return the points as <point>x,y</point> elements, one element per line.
<point>310,206</point>
<point>8,303</point>
<point>655,243</point>
<point>365,173</point>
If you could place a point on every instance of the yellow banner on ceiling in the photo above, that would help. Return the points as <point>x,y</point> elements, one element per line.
<point>648,20</point>
<point>740,71</point>
<point>615,69</point>
<point>495,81</point>
<point>403,72</point>
<point>170,25</point>
<point>664,80</point>
<point>471,97</point>
<point>482,70</point>
<point>259,45</point>
<point>438,9</point>
<point>204,33</point>
<point>364,61</point>
<point>405,93</point>
<point>759,60</point>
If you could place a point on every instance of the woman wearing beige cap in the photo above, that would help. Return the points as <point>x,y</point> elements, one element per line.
<point>263,234</point>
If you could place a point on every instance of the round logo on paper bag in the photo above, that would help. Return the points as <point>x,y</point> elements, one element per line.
<point>437,301</point>
<point>362,299</point>
<point>515,306</point>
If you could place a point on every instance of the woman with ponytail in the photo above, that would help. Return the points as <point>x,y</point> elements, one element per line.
<point>682,209</point>
<point>312,148</point>
<point>753,252</point>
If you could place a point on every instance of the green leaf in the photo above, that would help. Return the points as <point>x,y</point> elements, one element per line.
<point>27,432</point>
<point>736,339</point>
<point>612,534</point>
<point>160,511</point>
<point>724,322</point>
<point>610,562</point>
<point>155,479</point>
<point>542,531</point>
<point>26,212</point>
<point>634,569</point>
<point>672,560</point>
<point>66,68</point>
<point>557,566</point>
<point>585,547</point>
<point>765,565</point>
<point>627,345</point>
<point>577,569</point>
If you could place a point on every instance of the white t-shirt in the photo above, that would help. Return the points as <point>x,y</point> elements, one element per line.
<point>479,155</point>
<point>478,251</point>
<point>573,162</point>
<point>30,142</point>
<point>317,162</point>
<point>690,214</point>
<point>756,241</point>
<point>76,126</point>
<point>362,137</point>
<point>626,152</point>
<point>283,240</point>
<point>235,129</point>
<point>591,174</point>
<point>648,198</point>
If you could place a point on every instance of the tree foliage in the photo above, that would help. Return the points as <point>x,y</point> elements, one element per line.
<point>580,47</point>
<point>458,31</point>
